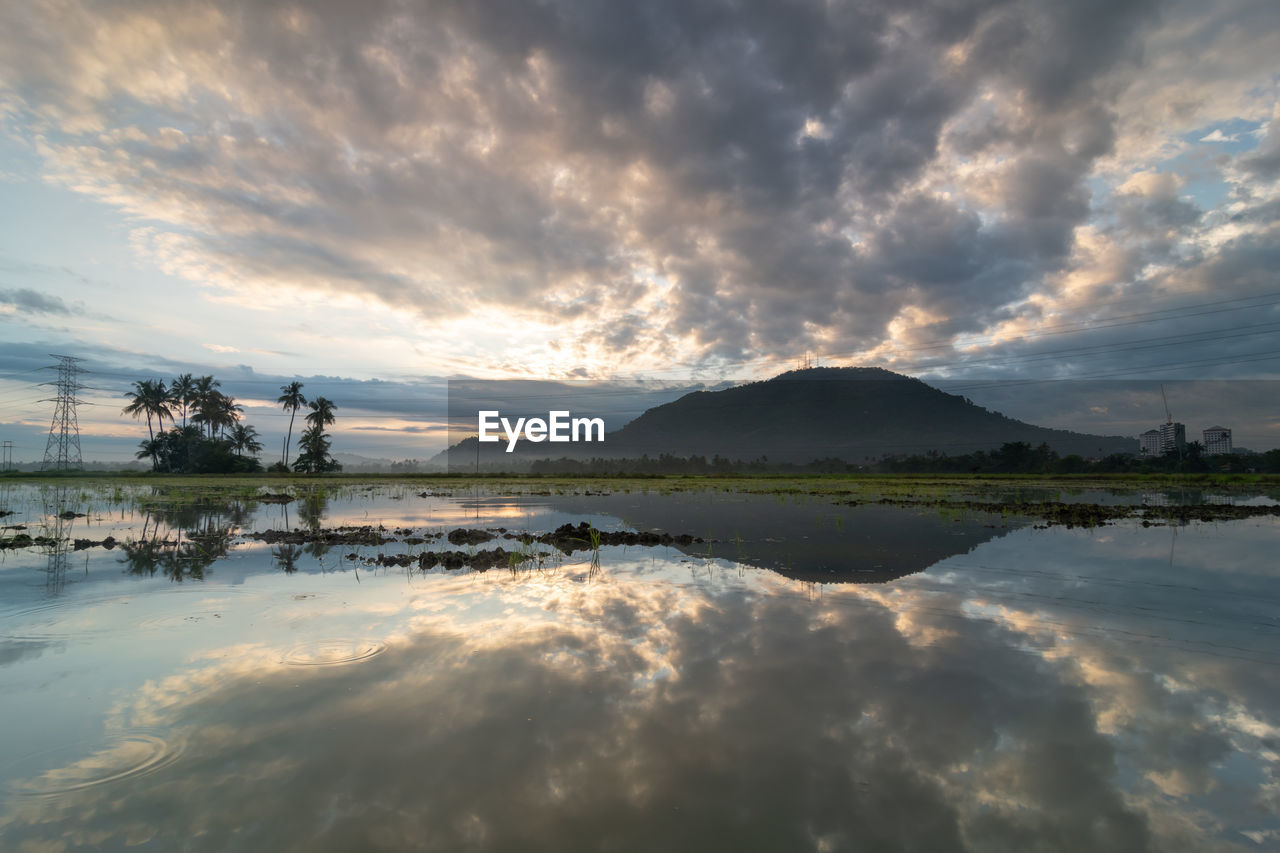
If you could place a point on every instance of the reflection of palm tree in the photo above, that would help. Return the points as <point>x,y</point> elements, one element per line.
<point>204,537</point>
<point>142,557</point>
<point>291,399</point>
<point>286,557</point>
<point>202,549</point>
<point>317,548</point>
<point>312,507</point>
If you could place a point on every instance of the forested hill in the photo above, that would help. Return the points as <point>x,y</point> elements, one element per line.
<point>851,413</point>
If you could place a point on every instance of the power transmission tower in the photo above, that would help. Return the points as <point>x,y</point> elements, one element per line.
<point>62,450</point>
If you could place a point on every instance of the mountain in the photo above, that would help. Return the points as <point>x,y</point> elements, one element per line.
<point>852,413</point>
<point>856,414</point>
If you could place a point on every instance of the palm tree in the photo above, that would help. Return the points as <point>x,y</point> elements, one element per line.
<point>150,398</point>
<point>313,441</point>
<point>228,412</point>
<point>292,400</point>
<point>245,437</point>
<point>218,412</point>
<point>150,448</point>
<point>183,392</point>
<point>202,398</point>
<point>321,415</point>
<point>314,447</point>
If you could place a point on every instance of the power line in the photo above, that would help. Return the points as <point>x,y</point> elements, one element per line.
<point>1208,362</point>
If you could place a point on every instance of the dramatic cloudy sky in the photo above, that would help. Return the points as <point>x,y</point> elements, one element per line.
<point>401,191</point>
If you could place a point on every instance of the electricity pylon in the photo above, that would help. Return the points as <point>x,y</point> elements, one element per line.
<point>62,450</point>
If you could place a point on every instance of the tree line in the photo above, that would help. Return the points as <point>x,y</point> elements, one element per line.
<point>1015,457</point>
<point>212,439</point>
<point>1020,457</point>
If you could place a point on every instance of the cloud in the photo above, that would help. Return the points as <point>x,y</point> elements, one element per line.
<point>1219,136</point>
<point>677,182</point>
<point>25,301</point>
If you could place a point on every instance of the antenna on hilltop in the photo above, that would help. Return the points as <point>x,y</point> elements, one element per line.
<point>62,450</point>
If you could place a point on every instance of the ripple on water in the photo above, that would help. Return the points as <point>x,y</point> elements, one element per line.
<point>332,652</point>
<point>178,620</point>
<point>67,769</point>
<point>76,617</point>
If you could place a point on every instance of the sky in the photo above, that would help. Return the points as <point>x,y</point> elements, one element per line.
<point>372,198</point>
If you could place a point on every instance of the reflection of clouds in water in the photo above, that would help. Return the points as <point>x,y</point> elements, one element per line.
<point>980,712</point>
<point>12,651</point>
<point>1174,663</point>
<point>639,715</point>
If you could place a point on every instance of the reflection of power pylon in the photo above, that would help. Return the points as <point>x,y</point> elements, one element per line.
<point>62,450</point>
<point>56,573</point>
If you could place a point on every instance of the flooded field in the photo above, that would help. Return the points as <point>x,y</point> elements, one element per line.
<point>419,666</point>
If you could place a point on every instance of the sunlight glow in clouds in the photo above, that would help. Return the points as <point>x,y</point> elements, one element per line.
<point>660,188</point>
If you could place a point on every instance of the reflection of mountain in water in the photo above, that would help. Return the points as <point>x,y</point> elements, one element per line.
<point>807,540</point>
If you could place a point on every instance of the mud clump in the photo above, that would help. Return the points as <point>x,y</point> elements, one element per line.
<point>479,561</point>
<point>82,544</point>
<point>364,535</point>
<point>583,537</point>
<point>23,540</point>
<point>464,536</point>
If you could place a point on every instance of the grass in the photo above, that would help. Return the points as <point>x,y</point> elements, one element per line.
<point>168,492</point>
<point>803,483</point>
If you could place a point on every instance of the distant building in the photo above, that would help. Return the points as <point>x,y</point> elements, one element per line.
<point>1217,440</point>
<point>1149,443</point>
<point>1173,436</point>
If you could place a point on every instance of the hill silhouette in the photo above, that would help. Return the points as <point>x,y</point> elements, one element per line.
<point>853,413</point>
<point>857,414</point>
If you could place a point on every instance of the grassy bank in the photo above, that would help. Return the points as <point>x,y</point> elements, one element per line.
<point>762,483</point>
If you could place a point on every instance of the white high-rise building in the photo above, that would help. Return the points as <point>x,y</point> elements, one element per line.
<point>1217,440</point>
<point>1149,443</point>
<point>1173,436</point>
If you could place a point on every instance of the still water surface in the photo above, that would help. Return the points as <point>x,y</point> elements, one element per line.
<point>811,676</point>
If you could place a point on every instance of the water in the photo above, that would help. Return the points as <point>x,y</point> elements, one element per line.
<point>810,676</point>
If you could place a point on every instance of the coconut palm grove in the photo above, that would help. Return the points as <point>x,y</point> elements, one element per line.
<point>207,435</point>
